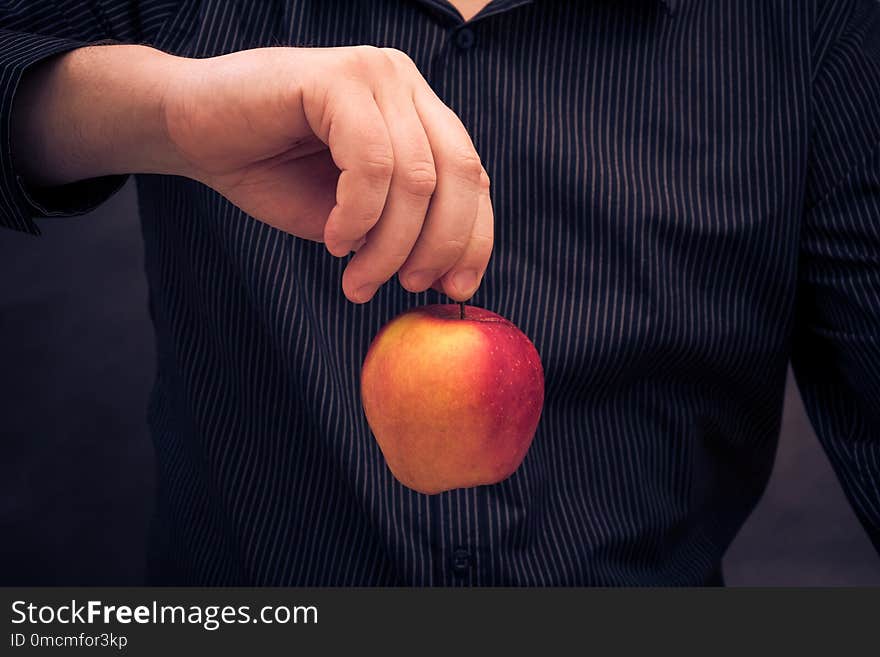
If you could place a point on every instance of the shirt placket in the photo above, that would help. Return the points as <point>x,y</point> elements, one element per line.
<point>461,539</point>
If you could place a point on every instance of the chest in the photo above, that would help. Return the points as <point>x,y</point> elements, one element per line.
<point>697,119</point>
<point>647,168</point>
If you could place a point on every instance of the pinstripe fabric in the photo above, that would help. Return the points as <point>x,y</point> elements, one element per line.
<point>687,195</point>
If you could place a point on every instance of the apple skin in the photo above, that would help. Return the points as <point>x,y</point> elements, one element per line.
<point>452,402</point>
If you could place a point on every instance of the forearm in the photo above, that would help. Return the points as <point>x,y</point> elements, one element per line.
<point>92,112</point>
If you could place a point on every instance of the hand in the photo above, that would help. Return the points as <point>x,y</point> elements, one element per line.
<point>349,146</point>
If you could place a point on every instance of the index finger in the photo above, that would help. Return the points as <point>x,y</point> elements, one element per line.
<point>360,146</point>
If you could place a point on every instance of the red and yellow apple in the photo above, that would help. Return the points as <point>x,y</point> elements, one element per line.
<point>452,402</point>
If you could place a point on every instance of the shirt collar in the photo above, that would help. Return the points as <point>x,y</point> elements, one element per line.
<point>444,9</point>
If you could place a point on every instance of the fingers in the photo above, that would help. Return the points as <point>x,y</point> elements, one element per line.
<point>464,278</point>
<point>412,196</point>
<point>453,209</point>
<point>354,129</point>
<point>413,182</point>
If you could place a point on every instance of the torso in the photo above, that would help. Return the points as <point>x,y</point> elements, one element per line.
<point>646,241</point>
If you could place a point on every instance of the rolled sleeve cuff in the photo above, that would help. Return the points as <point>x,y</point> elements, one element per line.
<point>20,203</point>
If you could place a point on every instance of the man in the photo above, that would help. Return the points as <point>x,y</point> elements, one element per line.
<point>685,195</point>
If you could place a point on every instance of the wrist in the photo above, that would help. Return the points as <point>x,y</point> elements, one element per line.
<point>143,142</point>
<point>95,111</point>
<point>173,93</point>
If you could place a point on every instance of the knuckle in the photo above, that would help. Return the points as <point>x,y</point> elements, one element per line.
<point>366,52</point>
<point>419,179</point>
<point>363,220</point>
<point>450,249</point>
<point>392,261</point>
<point>481,250</point>
<point>439,256</point>
<point>485,182</point>
<point>382,259</point>
<point>368,61</point>
<point>467,166</point>
<point>398,57</point>
<point>380,63</point>
<point>481,243</point>
<point>377,163</point>
<point>361,56</point>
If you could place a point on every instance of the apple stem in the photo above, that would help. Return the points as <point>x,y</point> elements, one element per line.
<point>461,305</point>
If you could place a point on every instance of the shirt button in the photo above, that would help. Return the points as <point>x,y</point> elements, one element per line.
<point>461,562</point>
<point>465,38</point>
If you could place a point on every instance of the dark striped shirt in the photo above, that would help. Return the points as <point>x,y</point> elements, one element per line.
<point>687,196</point>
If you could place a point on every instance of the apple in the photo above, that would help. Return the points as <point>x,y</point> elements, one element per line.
<point>453,395</point>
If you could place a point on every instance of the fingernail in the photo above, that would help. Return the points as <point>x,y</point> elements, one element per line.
<point>423,278</point>
<point>364,292</point>
<point>465,281</point>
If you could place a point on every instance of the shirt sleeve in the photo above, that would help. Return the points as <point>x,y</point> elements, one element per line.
<point>836,337</point>
<point>31,32</point>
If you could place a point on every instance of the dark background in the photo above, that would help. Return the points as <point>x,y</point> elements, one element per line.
<point>76,470</point>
